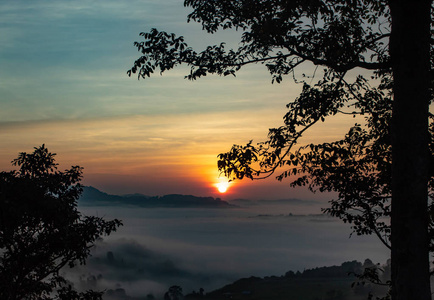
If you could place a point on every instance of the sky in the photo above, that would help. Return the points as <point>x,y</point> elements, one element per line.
<point>63,83</point>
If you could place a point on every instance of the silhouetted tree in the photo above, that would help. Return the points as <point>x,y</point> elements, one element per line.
<point>41,230</point>
<point>390,38</point>
<point>174,293</point>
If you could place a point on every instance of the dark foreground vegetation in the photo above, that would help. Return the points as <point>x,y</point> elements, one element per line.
<point>344,282</point>
<point>41,230</point>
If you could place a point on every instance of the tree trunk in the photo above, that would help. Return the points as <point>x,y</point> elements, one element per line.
<point>409,50</point>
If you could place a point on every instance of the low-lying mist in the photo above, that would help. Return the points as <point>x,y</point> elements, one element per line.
<point>208,248</point>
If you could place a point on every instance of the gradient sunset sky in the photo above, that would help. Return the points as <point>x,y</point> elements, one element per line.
<point>63,82</point>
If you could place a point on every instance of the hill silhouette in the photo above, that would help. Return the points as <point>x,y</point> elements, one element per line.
<point>330,283</point>
<point>94,197</point>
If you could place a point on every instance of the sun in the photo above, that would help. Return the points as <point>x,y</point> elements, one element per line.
<point>222,187</point>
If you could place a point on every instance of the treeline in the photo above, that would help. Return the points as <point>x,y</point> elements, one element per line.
<point>354,268</point>
<point>352,280</point>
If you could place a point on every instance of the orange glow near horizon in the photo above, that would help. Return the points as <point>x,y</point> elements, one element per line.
<point>222,185</point>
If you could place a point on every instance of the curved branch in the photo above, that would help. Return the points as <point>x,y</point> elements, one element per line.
<point>293,142</point>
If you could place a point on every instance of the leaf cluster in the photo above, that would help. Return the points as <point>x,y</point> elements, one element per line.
<point>280,34</point>
<point>41,230</point>
<point>375,275</point>
<point>357,167</point>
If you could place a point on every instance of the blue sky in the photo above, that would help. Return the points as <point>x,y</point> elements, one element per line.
<point>63,82</point>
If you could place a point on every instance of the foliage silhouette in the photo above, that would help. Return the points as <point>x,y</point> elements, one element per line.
<point>41,230</point>
<point>382,162</point>
<point>174,293</point>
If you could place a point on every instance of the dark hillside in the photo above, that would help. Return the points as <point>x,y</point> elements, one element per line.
<point>324,283</point>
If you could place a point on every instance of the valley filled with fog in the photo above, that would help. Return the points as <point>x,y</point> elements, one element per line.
<point>210,247</point>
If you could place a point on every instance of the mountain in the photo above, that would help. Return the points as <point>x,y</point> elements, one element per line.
<point>94,197</point>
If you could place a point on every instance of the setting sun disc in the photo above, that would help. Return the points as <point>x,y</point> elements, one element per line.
<point>222,187</point>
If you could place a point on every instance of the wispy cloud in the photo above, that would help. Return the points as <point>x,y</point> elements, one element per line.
<point>63,82</point>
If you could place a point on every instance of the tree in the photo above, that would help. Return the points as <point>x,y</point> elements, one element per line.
<point>41,230</point>
<point>174,293</point>
<point>381,168</point>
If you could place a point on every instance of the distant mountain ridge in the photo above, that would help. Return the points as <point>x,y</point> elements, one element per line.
<point>94,197</point>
